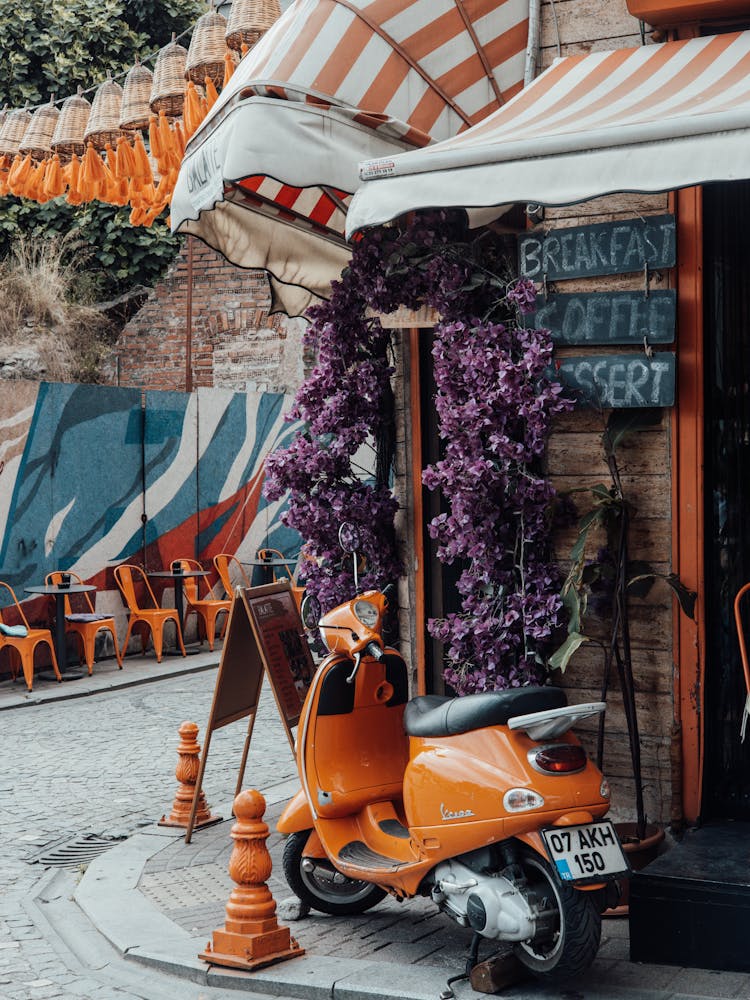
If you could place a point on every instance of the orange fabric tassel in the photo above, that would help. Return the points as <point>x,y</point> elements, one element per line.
<point>212,94</point>
<point>3,183</point>
<point>125,158</point>
<point>142,165</point>
<point>192,111</point>
<point>74,181</point>
<point>180,140</point>
<point>54,182</point>
<point>92,174</point>
<point>19,174</point>
<point>244,49</point>
<point>228,68</point>
<point>111,159</point>
<point>155,138</point>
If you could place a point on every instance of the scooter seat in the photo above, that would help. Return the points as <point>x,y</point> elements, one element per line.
<point>433,715</point>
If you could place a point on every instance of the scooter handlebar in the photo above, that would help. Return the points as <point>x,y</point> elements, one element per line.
<point>372,649</point>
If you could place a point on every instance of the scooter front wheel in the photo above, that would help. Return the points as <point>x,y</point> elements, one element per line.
<point>569,925</point>
<point>316,882</point>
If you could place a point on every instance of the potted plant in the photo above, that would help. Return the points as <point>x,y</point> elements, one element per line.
<point>614,575</point>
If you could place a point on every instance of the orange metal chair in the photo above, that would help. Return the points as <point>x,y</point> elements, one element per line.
<point>738,620</point>
<point>225,563</point>
<point>87,625</point>
<point>208,608</point>
<point>152,619</point>
<point>25,646</point>
<point>299,592</point>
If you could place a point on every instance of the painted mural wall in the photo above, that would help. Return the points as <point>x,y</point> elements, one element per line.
<point>93,476</point>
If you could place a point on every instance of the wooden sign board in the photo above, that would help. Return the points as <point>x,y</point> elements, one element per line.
<point>264,635</point>
<point>602,248</point>
<point>607,317</point>
<point>618,380</point>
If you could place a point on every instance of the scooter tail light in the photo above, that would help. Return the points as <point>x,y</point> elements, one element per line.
<point>518,800</point>
<point>560,758</point>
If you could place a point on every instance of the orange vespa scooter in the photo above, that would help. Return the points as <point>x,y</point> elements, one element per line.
<point>486,803</point>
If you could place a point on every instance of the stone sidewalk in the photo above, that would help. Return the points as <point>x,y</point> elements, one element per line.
<point>155,901</point>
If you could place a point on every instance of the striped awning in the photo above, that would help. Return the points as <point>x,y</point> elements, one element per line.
<point>268,177</point>
<point>651,119</point>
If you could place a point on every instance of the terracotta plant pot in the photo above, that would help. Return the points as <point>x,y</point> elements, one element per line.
<point>639,854</point>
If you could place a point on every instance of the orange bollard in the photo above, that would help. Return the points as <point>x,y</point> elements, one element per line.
<point>251,936</point>
<point>186,773</point>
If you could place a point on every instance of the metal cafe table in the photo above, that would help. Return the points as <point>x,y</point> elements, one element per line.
<point>268,565</point>
<point>60,592</point>
<point>177,579</point>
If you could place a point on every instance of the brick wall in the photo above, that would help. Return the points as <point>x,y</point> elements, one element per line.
<point>235,343</point>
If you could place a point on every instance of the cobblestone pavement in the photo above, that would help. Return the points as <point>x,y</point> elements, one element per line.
<point>102,765</point>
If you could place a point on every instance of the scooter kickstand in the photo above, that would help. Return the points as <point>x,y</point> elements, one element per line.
<point>471,961</point>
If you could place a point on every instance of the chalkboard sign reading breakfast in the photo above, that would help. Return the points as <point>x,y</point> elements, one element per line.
<point>602,248</point>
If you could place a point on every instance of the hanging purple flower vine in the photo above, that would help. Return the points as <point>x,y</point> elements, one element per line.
<point>495,406</point>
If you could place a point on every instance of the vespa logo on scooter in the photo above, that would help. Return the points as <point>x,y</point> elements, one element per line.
<point>448,814</point>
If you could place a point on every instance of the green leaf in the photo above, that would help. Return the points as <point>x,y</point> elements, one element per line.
<point>561,657</point>
<point>685,597</point>
<point>622,423</point>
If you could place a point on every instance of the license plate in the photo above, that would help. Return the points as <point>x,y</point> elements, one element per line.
<point>586,853</point>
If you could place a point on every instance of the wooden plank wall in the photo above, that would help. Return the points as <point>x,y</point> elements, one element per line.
<point>575,459</point>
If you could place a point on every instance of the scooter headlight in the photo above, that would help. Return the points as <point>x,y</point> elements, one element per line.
<point>367,613</point>
<point>518,800</point>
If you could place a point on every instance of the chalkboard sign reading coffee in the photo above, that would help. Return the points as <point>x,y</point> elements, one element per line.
<point>618,380</point>
<point>603,248</point>
<point>607,317</point>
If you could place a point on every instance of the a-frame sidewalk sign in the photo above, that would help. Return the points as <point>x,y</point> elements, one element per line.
<point>264,634</point>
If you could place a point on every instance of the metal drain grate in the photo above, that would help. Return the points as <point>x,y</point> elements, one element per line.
<point>74,853</point>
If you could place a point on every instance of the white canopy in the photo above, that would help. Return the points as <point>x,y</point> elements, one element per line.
<point>268,177</point>
<point>655,118</point>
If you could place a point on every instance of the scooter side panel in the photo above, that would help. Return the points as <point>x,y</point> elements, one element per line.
<point>454,788</point>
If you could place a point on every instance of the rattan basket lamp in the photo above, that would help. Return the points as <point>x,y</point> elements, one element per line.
<point>13,130</point>
<point>135,111</point>
<point>168,86</point>
<point>249,20</point>
<point>37,138</point>
<point>104,122</point>
<point>71,127</point>
<point>208,47</point>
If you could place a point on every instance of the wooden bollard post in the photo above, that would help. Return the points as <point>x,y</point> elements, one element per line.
<point>186,773</point>
<point>251,936</point>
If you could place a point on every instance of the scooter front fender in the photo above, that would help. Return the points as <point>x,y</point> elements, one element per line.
<point>297,816</point>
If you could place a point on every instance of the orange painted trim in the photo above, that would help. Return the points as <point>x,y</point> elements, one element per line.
<point>415,410</point>
<point>687,495</point>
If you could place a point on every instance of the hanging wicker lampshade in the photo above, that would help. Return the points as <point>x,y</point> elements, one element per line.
<point>38,136</point>
<point>136,93</point>
<point>207,49</point>
<point>249,20</point>
<point>71,127</point>
<point>13,131</point>
<point>3,116</point>
<point>104,121</point>
<point>168,87</point>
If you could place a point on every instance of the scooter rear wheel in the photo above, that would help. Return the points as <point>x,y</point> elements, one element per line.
<point>568,944</point>
<point>323,887</point>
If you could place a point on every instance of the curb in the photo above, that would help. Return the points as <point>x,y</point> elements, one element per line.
<point>109,896</point>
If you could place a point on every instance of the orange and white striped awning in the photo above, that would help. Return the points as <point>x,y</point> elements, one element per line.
<point>268,177</point>
<point>651,119</point>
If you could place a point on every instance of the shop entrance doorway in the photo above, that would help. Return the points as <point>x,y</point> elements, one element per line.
<point>726,252</point>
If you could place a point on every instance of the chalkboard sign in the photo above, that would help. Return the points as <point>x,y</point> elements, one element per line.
<point>603,248</point>
<point>618,380</point>
<point>607,317</point>
<point>264,634</point>
<point>280,638</point>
